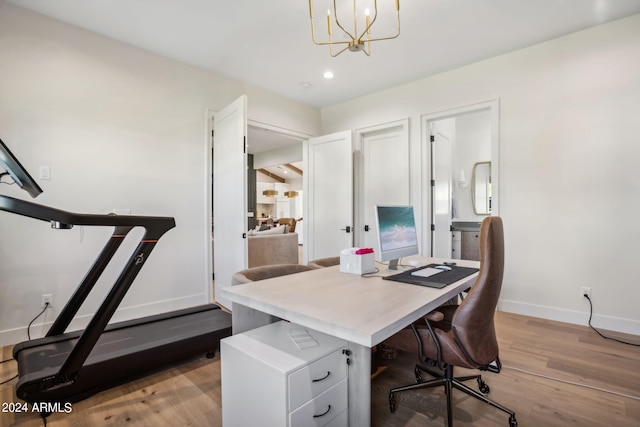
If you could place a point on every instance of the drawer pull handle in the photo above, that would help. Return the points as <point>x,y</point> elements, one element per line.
<point>324,413</point>
<point>323,378</point>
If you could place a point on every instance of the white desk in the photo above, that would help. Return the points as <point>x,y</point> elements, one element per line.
<point>361,310</point>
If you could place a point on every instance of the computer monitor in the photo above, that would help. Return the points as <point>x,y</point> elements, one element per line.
<point>397,235</point>
<point>20,176</point>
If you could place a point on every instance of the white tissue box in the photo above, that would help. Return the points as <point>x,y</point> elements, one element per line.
<point>352,262</point>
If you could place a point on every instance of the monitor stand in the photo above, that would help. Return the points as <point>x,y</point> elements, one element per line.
<point>393,264</point>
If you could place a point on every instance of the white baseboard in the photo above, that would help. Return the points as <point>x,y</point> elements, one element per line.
<point>14,336</point>
<point>608,323</point>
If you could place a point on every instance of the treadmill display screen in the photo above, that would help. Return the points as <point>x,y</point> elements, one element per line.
<point>19,174</point>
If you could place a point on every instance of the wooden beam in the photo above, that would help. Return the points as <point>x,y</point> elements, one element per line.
<point>293,168</point>
<point>271,175</point>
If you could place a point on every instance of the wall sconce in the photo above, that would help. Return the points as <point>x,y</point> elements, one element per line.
<point>462,181</point>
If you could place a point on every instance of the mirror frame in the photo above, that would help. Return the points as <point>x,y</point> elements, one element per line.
<point>473,187</point>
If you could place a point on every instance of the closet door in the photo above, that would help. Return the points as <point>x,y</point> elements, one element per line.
<point>328,195</point>
<point>383,175</point>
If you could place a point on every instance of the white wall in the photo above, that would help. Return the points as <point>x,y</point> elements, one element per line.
<point>119,128</point>
<point>568,165</point>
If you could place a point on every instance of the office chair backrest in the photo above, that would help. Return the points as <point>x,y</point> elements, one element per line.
<point>472,322</point>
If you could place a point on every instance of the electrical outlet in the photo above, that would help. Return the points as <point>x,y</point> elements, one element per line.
<point>585,291</point>
<point>47,298</point>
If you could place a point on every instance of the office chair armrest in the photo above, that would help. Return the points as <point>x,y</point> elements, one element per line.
<point>435,316</point>
<point>440,365</point>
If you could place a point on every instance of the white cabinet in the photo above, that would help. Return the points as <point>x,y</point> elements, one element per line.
<point>283,375</point>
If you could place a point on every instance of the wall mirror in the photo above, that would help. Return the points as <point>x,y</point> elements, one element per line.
<point>481,188</point>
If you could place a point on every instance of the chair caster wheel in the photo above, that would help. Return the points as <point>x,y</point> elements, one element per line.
<point>512,421</point>
<point>483,387</point>
<point>418,375</point>
<point>392,403</point>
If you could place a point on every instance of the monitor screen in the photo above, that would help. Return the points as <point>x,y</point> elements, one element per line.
<point>397,233</point>
<point>20,176</point>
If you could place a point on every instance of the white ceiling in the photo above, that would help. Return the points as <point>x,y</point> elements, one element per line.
<point>268,43</point>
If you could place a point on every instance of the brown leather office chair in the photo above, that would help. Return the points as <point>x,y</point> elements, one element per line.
<point>461,335</point>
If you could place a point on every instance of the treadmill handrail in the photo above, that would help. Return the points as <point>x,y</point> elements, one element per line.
<point>155,224</point>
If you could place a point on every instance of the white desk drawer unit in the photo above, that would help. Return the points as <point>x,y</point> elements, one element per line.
<point>284,375</point>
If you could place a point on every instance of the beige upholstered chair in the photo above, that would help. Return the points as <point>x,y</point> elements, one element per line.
<point>324,262</point>
<point>461,335</point>
<point>255,274</point>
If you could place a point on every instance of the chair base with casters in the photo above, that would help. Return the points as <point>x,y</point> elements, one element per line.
<point>447,379</point>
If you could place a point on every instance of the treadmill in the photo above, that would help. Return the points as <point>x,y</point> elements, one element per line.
<point>66,366</point>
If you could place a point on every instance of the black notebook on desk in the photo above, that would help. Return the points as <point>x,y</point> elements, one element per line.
<point>438,280</point>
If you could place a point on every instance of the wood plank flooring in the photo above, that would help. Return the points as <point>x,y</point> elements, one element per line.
<point>189,394</point>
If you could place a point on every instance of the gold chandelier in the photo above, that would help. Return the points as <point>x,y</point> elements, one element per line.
<point>354,41</point>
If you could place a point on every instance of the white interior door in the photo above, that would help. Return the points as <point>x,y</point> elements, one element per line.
<point>328,190</point>
<point>384,176</point>
<point>229,194</point>
<point>441,166</point>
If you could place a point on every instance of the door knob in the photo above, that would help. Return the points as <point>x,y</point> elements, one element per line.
<point>347,229</point>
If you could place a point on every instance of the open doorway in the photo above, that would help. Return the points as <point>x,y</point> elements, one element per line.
<point>461,143</point>
<point>266,147</point>
<point>275,189</point>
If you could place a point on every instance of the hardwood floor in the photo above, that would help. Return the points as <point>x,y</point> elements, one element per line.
<point>189,394</point>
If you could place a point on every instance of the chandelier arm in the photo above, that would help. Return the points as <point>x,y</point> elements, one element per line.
<point>336,54</point>
<point>388,37</point>
<point>383,38</point>
<point>313,31</point>
<point>335,14</point>
<point>331,43</point>
<point>375,16</point>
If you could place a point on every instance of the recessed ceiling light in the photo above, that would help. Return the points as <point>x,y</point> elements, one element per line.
<point>328,75</point>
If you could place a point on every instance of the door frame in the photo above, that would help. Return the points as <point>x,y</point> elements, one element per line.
<point>210,114</point>
<point>493,105</point>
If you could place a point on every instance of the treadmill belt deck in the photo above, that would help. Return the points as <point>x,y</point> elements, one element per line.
<point>125,351</point>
